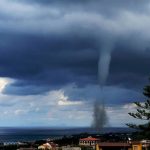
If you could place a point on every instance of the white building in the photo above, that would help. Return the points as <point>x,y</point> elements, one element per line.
<point>70,148</point>
<point>89,141</point>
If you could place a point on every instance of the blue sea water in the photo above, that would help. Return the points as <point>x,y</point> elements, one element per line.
<point>18,134</point>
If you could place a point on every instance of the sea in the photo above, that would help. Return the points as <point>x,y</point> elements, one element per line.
<point>28,134</point>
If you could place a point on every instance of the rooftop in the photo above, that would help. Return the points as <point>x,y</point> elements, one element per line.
<point>89,139</point>
<point>114,144</point>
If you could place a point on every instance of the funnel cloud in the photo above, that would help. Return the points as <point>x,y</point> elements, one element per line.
<point>103,65</point>
<point>99,111</point>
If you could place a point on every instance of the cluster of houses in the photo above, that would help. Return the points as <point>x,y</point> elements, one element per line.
<point>91,143</point>
<point>96,144</point>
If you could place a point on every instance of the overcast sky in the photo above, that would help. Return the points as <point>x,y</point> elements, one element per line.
<point>49,54</point>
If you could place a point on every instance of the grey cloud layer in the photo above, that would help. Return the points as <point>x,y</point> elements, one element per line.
<point>46,45</point>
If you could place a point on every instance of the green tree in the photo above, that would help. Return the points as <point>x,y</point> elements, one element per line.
<point>142,113</point>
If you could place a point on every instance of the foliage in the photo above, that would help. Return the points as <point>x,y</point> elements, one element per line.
<point>143,113</point>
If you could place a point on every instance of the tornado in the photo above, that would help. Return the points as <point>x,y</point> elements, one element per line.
<point>99,112</point>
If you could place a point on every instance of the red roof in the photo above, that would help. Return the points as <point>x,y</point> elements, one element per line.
<point>89,139</point>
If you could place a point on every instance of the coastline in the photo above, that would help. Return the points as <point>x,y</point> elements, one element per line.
<point>21,134</point>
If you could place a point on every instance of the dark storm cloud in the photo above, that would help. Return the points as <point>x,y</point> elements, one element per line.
<point>49,44</point>
<point>129,67</point>
<point>39,64</point>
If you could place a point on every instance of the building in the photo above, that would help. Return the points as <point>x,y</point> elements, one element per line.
<point>45,146</point>
<point>48,146</point>
<point>134,145</point>
<point>70,148</point>
<point>114,146</point>
<point>89,141</point>
<point>141,145</point>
